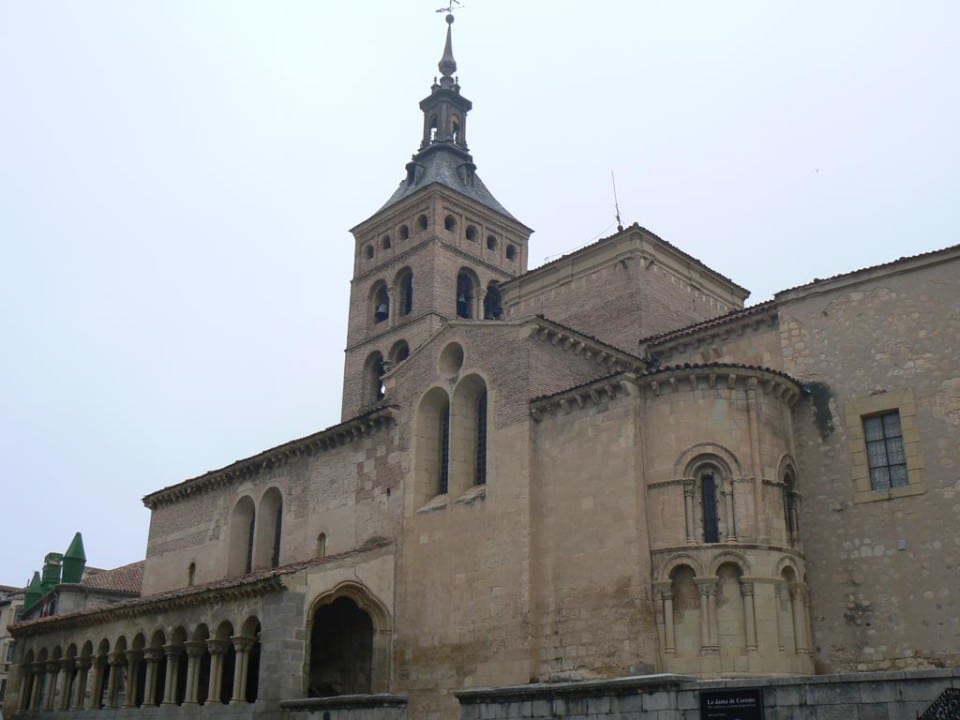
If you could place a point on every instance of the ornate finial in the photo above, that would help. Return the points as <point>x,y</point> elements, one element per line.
<point>447,64</point>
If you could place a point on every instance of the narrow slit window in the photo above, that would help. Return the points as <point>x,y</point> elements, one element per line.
<point>711,522</point>
<point>480,476</point>
<point>444,451</point>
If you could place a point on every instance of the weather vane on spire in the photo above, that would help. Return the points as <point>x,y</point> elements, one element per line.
<point>449,8</point>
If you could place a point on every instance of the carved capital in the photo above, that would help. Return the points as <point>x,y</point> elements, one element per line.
<point>153,654</point>
<point>134,656</point>
<point>707,587</point>
<point>217,647</point>
<point>173,651</point>
<point>242,643</point>
<point>117,658</point>
<point>195,648</point>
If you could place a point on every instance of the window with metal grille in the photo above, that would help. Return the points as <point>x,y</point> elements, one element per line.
<point>885,456</point>
<point>711,521</point>
<point>444,451</point>
<point>480,476</point>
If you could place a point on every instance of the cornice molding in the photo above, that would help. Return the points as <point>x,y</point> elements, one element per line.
<point>668,380</point>
<point>250,586</point>
<point>332,437</point>
<point>242,589</point>
<point>737,325</point>
<point>611,358</point>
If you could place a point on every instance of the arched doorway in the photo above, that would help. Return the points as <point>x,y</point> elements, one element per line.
<point>341,650</point>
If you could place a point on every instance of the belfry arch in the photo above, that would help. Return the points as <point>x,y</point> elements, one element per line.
<point>349,635</point>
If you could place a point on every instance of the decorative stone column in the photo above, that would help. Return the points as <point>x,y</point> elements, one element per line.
<point>67,666</point>
<point>173,653</point>
<point>708,614</point>
<point>118,661</point>
<point>669,632</point>
<point>194,650</point>
<point>753,414</point>
<point>152,657</point>
<point>37,687</point>
<point>689,489</point>
<point>133,678</point>
<point>392,313</point>
<point>749,616</point>
<point>242,645</point>
<point>217,649</point>
<point>52,668</point>
<point>797,592</point>
<point>96,686</point>
<point>730,521</point>
<point>782,595</point>
<point>80,691</point>
<point>26,688</point>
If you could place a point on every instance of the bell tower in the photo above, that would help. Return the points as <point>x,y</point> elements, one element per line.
<point>435,252</point>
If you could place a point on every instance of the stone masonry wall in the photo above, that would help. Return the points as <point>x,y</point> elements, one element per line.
<point>592,614</point>
<point>882,565</point>
<point>879,696</point>
<point>346,492</point>
<point>463,576</point>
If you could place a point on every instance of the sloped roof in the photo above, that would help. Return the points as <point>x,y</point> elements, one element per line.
<point>451,168</point>
<point>254,583</point>
<point>126,578</point>
<point>870,268</point>
<point>612,238</point>
<point>729,317</point>
<point>781,297</point>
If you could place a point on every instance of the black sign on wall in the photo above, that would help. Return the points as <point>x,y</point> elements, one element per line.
<point>739,704</point>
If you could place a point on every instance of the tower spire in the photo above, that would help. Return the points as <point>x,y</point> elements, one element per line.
<point>447,65</point>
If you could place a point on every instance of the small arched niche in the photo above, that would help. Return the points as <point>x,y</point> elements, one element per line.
<point>269,530</point>
<point>468,427</point>
<point>451,360</point>
<point>240,557</point>
<point>433,446</point>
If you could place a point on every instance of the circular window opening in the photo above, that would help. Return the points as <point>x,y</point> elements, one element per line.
<point>511,252</point>
<point>368,252</point>
<point>422,222</point>
<point>404,232</point>
<point>385,242</point>
<point>451,359</point>
<point>450,223</point>
<point>472,233</point>
<point>491,242</point>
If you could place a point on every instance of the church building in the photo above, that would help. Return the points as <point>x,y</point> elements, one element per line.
<point>604,475</point>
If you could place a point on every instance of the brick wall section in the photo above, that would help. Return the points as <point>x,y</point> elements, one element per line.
<point>434,255</point>
<point>623,288</point>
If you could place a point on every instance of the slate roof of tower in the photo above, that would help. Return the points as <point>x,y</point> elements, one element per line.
<point>446,167</point>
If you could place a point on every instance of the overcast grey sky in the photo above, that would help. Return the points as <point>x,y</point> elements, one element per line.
<point>177,179</point>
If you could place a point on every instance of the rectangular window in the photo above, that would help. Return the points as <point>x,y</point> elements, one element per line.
<point>885,454</point>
